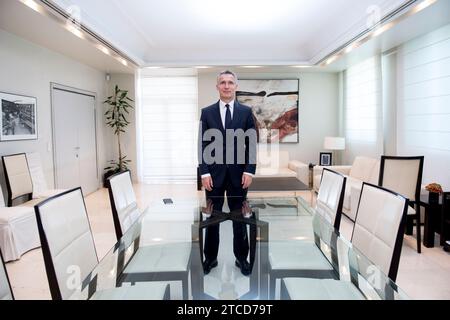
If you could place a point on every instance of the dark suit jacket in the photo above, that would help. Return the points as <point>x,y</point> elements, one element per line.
<point>242,119</point>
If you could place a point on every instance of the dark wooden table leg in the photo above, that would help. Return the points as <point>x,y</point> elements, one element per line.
<point>428,231</point>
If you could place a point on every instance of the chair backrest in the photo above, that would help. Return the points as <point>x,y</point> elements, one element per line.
<point>67,243</point>
<point>402,175</point>
<point>379,225</point>
<point>5,287</point>
<point>362,168</point>
<point>36,173</point>
<point>18,178</point>
<point>123,202</point>
<point>331,197</point>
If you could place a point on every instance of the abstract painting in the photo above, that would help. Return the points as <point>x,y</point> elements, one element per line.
<point>275,108</point>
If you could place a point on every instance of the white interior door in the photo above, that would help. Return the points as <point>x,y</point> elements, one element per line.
<point>74,135</point>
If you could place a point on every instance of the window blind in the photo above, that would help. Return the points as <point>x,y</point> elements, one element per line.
<point>423,119</point>
<point>363,109</point>
<point>168,128</point>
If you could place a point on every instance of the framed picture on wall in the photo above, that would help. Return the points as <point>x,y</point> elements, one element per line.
<point>275,104</point>
<point>325,159</point>
<point>18,119</point>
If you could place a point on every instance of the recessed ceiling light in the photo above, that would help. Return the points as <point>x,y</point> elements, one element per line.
<point>153,67</point>
<point>382,29</point>
<point>301,66</point>
<point>331,60</point>
<point>123,61</point>
<point>423,5</point>
<point>75,30</point>
<point>202,67</point>
<point>251,67</point>
<point>103,49</point>
<point>32,4</point>
<point>351,47</point>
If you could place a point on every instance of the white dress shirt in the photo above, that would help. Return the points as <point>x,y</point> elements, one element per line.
<point>223,112</point>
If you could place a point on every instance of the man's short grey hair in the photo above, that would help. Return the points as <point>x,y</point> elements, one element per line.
<point>227,72</point>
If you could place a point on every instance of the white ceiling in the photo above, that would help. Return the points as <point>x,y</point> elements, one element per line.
<point>232,32</point>
<point>223,33</point>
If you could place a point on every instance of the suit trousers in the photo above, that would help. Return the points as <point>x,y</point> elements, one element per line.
<point>235,197</point>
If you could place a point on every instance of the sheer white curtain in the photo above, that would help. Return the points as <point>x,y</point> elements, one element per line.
<point>363,115</point>
<point>167,125</point>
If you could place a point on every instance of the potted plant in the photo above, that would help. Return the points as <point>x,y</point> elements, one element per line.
<point>434,190</point>
<point>119,107</point>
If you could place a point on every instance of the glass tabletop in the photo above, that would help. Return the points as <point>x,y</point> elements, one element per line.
<point>285,236</point>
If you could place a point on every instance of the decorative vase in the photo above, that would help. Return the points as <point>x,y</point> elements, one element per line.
<point>433,197</point>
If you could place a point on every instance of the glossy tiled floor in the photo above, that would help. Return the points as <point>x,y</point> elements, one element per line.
<point>421,276</point>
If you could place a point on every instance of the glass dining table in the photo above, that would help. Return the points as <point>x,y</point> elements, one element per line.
<point>277,226</point>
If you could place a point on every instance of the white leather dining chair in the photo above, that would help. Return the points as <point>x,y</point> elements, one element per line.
<point>25,179</point>
<point>69,251</point>
<point>17,176</point>
<point>378,235</point>
<point>291,258</point>
<point>404,176</point>
<point>169,261</point>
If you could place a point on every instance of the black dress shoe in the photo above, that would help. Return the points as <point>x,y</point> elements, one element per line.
<point>244,266</point>
<point>208,265</point>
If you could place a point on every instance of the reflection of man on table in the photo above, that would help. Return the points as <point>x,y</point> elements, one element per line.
<point>227,165</point>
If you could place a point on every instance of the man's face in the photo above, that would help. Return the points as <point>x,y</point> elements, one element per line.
<point>226,85</point>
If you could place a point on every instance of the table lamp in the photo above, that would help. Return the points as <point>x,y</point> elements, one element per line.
<point>334,143</point>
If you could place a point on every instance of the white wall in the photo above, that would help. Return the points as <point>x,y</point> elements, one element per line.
<point>423,115</point>
<point>318,108</point>
<point>127,139</point>
<point>28,69</point>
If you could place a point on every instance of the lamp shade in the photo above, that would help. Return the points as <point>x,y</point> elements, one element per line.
<point>334,143</point>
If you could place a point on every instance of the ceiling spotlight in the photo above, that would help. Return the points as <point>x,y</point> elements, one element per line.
<point>75,30</point>
<point>301,66</point>
<point>251,67</point>
<point>103,49</point>
<point>331,60</point>
<point>123,61</point>
<point>32,4</point>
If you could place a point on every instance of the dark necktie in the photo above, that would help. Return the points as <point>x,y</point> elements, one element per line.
<point>227,117</point>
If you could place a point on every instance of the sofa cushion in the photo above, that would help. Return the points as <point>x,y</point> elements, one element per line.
<point>362,168</point>
<point>374,176</point>
<point>275,172</point>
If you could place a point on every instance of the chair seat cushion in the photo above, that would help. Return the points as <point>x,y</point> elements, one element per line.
<point>31,203</point>
<point>321,289</point>
<point>47,193</point>
<point>140,291</point>
<point>289,255</point>
<point>170,257</point>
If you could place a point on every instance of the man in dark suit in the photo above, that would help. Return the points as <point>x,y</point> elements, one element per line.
<point>227,165</point>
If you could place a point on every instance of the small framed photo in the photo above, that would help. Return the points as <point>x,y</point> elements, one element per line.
<point>325,159</point>
<point>18,119</point>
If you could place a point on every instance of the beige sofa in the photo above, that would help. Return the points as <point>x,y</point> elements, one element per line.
<point>363,169</point>
<point>278,165</point>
